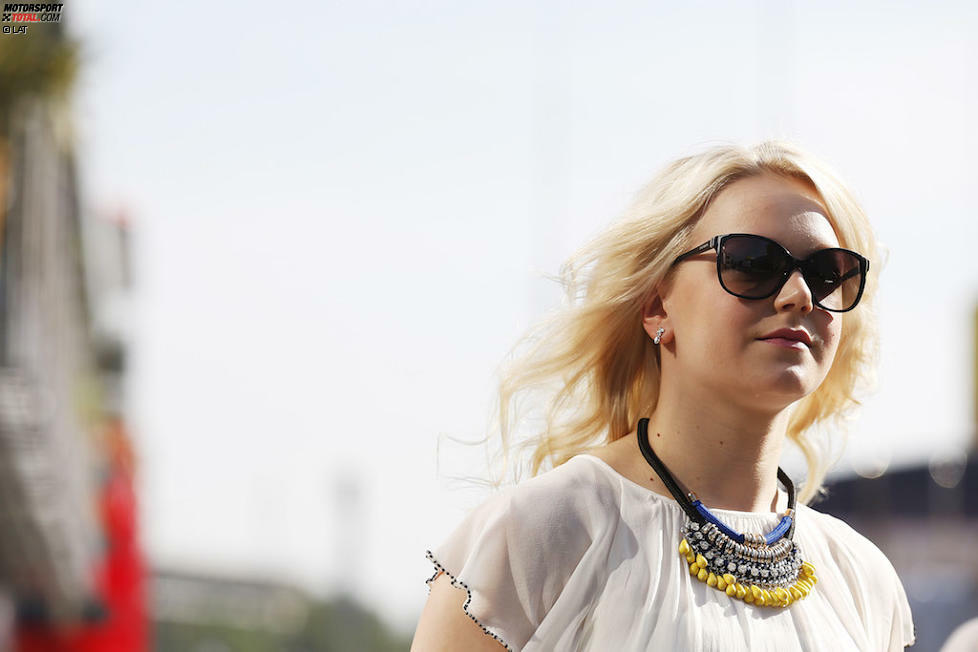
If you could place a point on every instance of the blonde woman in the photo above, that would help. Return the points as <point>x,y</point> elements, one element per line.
<point>729,310</point>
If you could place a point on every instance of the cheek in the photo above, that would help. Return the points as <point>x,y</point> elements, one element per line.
<point>727,334</point>
<point>832,337</point>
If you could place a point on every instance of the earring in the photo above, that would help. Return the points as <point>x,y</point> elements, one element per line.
<point>658,335</point>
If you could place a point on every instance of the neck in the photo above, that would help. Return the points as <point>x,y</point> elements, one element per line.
<point>727,456</point>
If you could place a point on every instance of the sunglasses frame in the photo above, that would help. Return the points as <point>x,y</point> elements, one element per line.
<point>716,242</point>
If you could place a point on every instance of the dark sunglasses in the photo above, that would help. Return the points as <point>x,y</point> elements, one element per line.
<point>754,267</point>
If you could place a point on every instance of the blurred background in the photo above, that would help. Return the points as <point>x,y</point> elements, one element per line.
<point>260,263</point>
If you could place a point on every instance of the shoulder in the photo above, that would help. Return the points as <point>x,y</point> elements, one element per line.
<point>857,571</point>
<point>579,478</point>
<point>842,541</point>
<point>844,547</point>
<point>577,497</point>
<point>853,560</point>
<point>571,504</point>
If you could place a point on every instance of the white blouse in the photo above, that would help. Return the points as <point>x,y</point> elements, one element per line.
<point>581,558</point>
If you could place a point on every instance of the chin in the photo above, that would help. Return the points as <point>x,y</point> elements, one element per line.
<point>785,390</point>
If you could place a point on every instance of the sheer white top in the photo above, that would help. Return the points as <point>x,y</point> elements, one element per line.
<point>581,558</point>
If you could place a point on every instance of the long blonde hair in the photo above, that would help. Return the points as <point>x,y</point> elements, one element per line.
<point>594,368</point>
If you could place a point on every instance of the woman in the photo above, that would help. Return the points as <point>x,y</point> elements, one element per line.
<point>729,310</point>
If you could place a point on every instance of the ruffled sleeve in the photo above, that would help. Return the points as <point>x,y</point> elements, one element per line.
<point>515,552</point>
<point>902,632</point>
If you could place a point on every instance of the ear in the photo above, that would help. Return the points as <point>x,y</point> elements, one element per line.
<point>654,317</point>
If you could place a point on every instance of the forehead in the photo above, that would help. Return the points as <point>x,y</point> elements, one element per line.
<point>781,208</point>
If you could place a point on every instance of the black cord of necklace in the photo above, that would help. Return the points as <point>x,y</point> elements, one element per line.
<point>681,498</point>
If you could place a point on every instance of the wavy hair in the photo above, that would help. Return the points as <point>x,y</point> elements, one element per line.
<point>593,368</point>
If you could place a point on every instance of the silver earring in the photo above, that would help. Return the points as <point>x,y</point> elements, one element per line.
<point>658,335</point>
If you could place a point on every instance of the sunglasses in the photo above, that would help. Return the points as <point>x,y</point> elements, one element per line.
<point>754,267</point>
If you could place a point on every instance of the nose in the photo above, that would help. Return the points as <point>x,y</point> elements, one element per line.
<point>794,294</point>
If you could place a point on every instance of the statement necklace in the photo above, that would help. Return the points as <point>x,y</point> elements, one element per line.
<point>765,570</point>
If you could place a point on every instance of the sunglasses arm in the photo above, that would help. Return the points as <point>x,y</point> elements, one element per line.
<point>706,246</point>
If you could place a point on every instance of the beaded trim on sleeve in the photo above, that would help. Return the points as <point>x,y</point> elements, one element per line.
<point>459,584</point>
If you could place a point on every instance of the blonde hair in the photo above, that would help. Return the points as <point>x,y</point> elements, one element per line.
<point>596,366</point>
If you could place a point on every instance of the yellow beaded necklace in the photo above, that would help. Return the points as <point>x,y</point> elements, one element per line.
<point>764,570</point>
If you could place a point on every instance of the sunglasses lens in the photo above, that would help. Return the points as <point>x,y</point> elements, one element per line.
<point>751,267</point>
<point>835,278</point>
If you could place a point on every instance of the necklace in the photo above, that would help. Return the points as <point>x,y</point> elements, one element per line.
<point>765,570</point>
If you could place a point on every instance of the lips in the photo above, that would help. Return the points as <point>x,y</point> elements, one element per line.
<point>796,335</point>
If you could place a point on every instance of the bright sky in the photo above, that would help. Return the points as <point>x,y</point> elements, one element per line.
<point>338,209</point>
